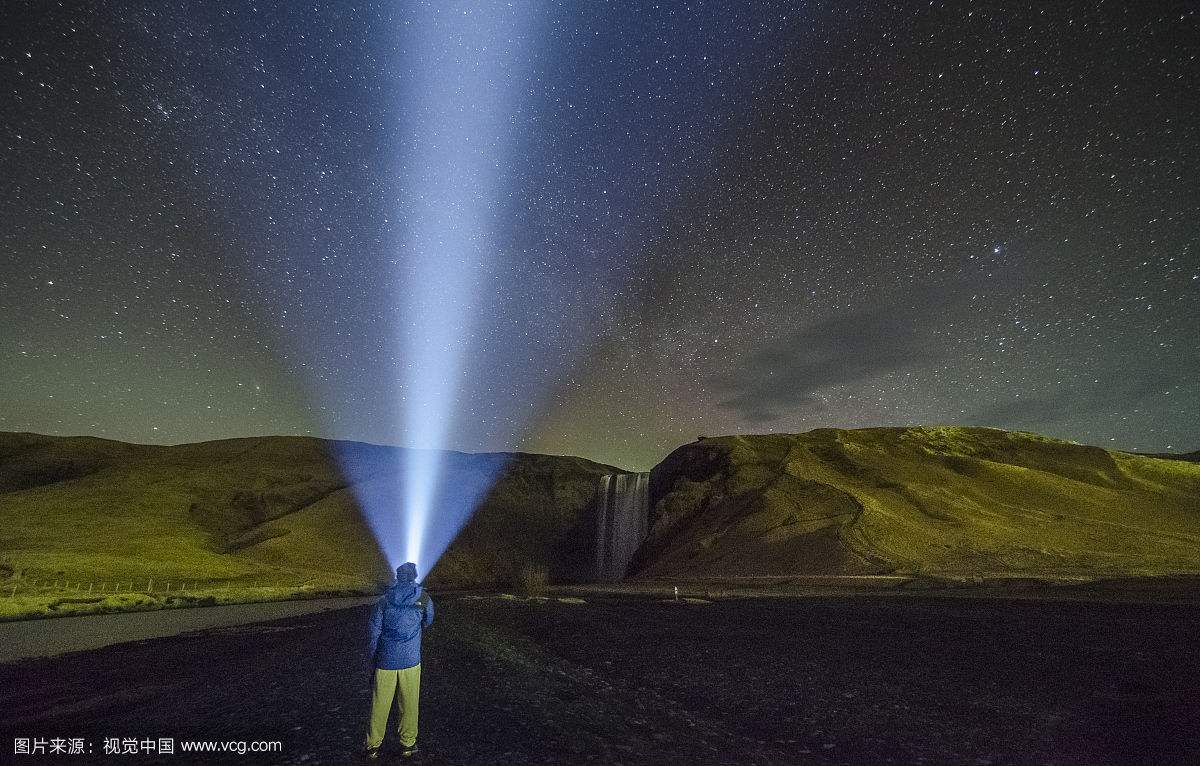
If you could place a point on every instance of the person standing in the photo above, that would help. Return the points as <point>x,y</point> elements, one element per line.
<point>395,650</point>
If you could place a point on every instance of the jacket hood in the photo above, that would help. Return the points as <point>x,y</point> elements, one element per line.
<point>404,593</point>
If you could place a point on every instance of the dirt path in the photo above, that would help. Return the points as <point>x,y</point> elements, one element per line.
<point>852,680</point>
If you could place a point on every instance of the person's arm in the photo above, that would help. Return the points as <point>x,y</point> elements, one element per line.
<point>428,609</point>
<point>374,628</point>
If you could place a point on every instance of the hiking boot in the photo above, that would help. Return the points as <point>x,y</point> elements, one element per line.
<point>372,754</point>
<point>408,751</point>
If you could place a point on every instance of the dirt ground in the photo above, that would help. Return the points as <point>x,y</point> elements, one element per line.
<point>618,680</point>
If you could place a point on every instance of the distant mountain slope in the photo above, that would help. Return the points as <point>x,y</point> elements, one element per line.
<point>1191,457</point>
<point>271,509</point>
<point>932,500</point>
<point>278,511</point>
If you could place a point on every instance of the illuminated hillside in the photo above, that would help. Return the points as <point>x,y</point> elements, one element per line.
<point>927,500</point>
<point>272,512</point>
<point>273,516</point>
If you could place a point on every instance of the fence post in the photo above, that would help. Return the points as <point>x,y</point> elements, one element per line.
<point>89,586</point>
<point>150,585</point>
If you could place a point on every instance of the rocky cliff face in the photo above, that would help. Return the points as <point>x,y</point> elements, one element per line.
<point>540,514</point>
<point>917,500</point>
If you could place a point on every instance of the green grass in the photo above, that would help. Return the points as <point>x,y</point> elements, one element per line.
<point>942,501</point>
<point>266,518</point>
<point>49,602</point>
<point>272,514</point>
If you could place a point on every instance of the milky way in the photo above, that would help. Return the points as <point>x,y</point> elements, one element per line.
<point>713,218</point>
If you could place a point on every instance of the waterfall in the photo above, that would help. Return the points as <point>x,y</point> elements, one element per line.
<point>622,522</point>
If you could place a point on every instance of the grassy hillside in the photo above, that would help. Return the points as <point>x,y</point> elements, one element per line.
<point>273,515</point>
<point>88,524</point>
<point>953,501</point>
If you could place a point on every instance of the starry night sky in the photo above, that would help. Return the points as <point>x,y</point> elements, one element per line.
<point>715,218</point>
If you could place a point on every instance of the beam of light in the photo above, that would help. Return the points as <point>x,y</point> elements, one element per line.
<point>464,74</point>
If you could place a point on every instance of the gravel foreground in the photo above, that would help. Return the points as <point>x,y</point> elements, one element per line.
<point>846,680</point>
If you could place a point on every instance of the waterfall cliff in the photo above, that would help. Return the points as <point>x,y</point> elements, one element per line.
<point>622,522</point>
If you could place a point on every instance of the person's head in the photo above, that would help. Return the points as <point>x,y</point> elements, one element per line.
<point>406,572</point>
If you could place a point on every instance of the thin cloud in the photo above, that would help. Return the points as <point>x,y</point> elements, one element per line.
<point>786,373</point>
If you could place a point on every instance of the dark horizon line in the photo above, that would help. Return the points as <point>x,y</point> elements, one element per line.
<point>1189,455</point>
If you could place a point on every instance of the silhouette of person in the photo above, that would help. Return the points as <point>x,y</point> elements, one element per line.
<point>395,650</point>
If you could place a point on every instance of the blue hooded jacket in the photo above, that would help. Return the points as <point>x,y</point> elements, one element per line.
<point>396,622</point>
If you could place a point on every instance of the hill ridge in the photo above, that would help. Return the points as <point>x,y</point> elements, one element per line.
<point>924,499</point>
<point>281,510</point>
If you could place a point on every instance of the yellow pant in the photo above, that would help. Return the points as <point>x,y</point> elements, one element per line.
<point>405,686</point>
